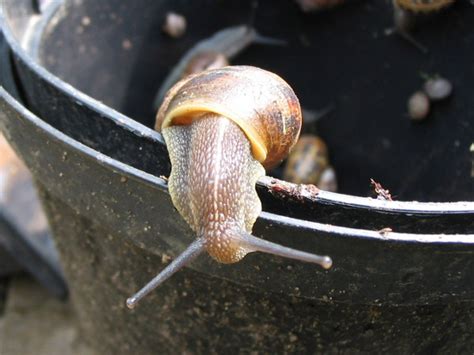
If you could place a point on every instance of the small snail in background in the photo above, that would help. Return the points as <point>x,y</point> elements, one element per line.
<point>222,127</point>
<point>213,52</point>
<point>407,12</point>
<point>434,89</point>
<point>307,160</point>
<point>308,163</point>
<point>318,5</point>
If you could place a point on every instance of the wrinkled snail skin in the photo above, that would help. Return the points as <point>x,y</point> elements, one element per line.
<point>222,127</point>
<point>213,185</point>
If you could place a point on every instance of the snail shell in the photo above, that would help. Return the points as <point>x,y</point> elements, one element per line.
<point>307,161</point>
<point>271,119</point>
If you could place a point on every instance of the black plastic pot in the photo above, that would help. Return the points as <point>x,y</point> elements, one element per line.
<point>115,226</point>
<point>25,241</point>
<point>92,59</point>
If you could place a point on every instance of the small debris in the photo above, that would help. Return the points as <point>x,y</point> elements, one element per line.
<point>287,189</point>
<point>328,180</point>
<point>418,106</point>
<point>293,338</point>
<point>471,149</point>
<point>165,259</point>
<point>175,25</point>
<point>86,21</point>
<point>384,231</point>
<point>127,44</point>
<point>123,179</point>
<point>438,88</point>
<point>382,194</point>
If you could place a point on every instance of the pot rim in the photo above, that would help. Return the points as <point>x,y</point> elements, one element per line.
<point>129,124</point>
<point>270,218</point>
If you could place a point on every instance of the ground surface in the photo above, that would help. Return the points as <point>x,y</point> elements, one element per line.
<point>34,323</point>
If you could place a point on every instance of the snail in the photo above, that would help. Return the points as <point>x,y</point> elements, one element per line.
<point>222,128</point>
<point>317,5</point>
<point>225,44</point>
<point>418,106</point>
<point>307,160</point>
<point>407,12</point>
<point>308,163</point>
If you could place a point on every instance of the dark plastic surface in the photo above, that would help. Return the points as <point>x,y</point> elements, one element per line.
<point>112,236</point>
<point>25,240</point>
<point>344,58</point>
<point>104,63</point>
<point>115,228</point>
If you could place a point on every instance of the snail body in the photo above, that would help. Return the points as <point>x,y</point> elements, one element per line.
<point>217,50</point>
<point>222,128</point>
<point>406,14</point>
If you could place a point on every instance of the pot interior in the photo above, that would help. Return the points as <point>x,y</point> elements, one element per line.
<point>116,52</point>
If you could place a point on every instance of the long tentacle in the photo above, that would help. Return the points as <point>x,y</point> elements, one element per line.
<point>257,244</point>
<point>195,249</point>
